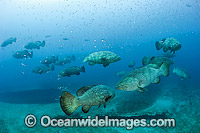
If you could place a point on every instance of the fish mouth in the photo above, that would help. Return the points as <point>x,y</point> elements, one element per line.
<point>108,98</point>
<point>120,87</point>
<point>178,47</point>
<point>124,88</point>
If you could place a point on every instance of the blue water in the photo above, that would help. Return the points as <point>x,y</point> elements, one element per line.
<point>128,28</point>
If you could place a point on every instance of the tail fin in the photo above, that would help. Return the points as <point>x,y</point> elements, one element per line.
<point>164,68</point>
<point>31,54</point>
<point>144,60</point>
<point>43,43</point>
<point>82,69</point>
<point>68,103</point>
<point>52,67</point>
<point>73,58</point>
<point>85,59</point>
<point>158,45</point>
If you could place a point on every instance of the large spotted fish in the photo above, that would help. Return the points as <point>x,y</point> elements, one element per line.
<point>35,45</point>
<point>87,97</point>
<point>9,41</point>
<point>168,44</point>
<point>102,57</point>
<point>141,77</point>
<point>183,74</point>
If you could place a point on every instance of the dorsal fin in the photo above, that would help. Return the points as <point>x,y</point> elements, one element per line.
<point>82,90</point>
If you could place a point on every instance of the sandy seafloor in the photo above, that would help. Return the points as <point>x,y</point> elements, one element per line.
<point>179,100</point>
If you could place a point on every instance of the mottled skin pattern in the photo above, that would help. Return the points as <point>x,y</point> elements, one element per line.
<point>158,60</point>
<point>179,72</point>
<point>71,71</point>
<point>102,57</point>
<point>170,44</point>
<point>95,96</point>
<point>140,77</point>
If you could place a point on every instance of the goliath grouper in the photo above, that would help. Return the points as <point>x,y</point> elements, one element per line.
<point>71,71</point>
<point>65,60</point>
<point>101,57</point>
<point>23,54</point>
<point>50,60</point>
<point>35,45</point>
<point>170,44</point>
<point>9,41</point>
<point>183,74</point>
<point>141,77</point>
<point>88,96</point>
<point>43,69</point>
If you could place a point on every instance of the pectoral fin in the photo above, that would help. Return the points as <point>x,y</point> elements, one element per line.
<point>91,63</point>
<point>105,64</point>
<point>140,89</point>
<point>157,80</point>
<point>86,108</point>
<point>165,49</point>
